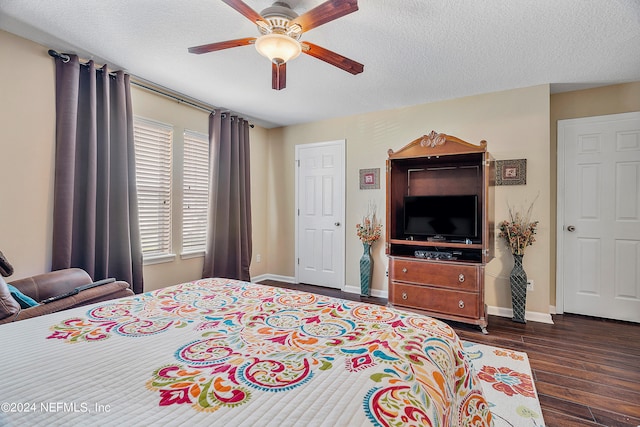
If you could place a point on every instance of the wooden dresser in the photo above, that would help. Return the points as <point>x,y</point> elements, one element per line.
<point>440,276</point>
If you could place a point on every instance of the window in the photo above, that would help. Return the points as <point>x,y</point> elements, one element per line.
<point>153,142</point>
<point>195,192</point>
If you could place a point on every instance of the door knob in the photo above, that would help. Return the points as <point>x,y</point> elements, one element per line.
<point>337,224</point>
<point>571,228</point>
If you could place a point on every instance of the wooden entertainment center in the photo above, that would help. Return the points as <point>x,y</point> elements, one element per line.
<point>442,276</point>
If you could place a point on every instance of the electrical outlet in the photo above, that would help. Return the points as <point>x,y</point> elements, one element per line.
<point>258,258</point>
<point>530,285</point>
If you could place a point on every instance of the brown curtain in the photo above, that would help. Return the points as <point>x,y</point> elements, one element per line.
<point>228,252</point>
<point>95,223</point>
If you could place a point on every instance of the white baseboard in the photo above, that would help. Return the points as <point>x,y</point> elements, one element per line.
<point>286,279</point>
<point>374,292</point>
<point>534,316</point>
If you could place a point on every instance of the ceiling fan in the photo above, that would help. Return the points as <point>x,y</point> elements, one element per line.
<point>280,28</point>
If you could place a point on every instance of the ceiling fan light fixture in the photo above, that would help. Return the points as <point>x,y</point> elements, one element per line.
<point>278,47</point>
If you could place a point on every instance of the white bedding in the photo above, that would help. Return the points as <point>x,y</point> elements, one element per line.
<point>229,353</point>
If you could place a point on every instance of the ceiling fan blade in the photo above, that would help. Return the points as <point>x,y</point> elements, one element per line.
<point>278,75</point>
<point>332,58</point>
<point>211,47</point>
<point>326,12</point>
<point>245,10</point>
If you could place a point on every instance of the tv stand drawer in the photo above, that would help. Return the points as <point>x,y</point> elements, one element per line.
<point>445,301</point>
<point>440,274</point>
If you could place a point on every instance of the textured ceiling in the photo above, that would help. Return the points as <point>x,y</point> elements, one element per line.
<point>414,51</point>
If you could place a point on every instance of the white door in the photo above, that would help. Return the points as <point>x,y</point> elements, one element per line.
<point>599,216</point>
<point>320,234</point>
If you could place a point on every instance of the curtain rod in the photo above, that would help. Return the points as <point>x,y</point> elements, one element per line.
<point>152,87</point>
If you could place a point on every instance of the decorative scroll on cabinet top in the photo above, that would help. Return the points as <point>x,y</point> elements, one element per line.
<point>437,144</point>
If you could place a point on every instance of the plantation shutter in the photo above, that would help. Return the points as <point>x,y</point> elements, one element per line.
<point>153,142</point>
<point>195,192</point>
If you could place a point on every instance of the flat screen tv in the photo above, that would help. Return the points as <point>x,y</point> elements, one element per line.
<point>446,217</point>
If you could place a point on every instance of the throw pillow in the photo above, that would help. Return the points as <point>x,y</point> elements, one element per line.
<point>8,306</point>
<point>25,301</point>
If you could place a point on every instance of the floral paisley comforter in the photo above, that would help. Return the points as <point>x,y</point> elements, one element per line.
<point>224,352</point>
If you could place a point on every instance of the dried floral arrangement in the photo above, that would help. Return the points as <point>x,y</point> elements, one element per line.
<point>369,230</point>
<point>519,230</point>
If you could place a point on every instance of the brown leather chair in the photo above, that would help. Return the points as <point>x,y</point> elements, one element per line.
<point>59,282</point>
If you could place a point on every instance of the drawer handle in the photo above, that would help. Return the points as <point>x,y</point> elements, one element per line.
<point>404,270</point>
<point>461,304</point>
<point>404,295</point>
<point>461,278</point>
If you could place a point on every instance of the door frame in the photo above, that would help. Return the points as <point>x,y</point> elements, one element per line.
<point>340,143</point>
<point>560,196</point>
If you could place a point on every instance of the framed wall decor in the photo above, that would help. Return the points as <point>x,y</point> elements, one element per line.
<point>369,179</point>
<point>511,172</point>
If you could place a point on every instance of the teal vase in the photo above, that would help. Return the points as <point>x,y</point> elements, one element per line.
<point>366,270</point>
<point>518,281</point>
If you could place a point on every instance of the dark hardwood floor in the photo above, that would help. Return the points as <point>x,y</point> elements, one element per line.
<point>586,370</point>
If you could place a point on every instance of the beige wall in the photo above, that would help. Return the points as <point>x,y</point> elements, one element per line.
<point>27,134</point>
<point>515,124</point>
<point>622,98</point>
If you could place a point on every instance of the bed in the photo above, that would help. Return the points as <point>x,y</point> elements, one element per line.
<point>230,353</point>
